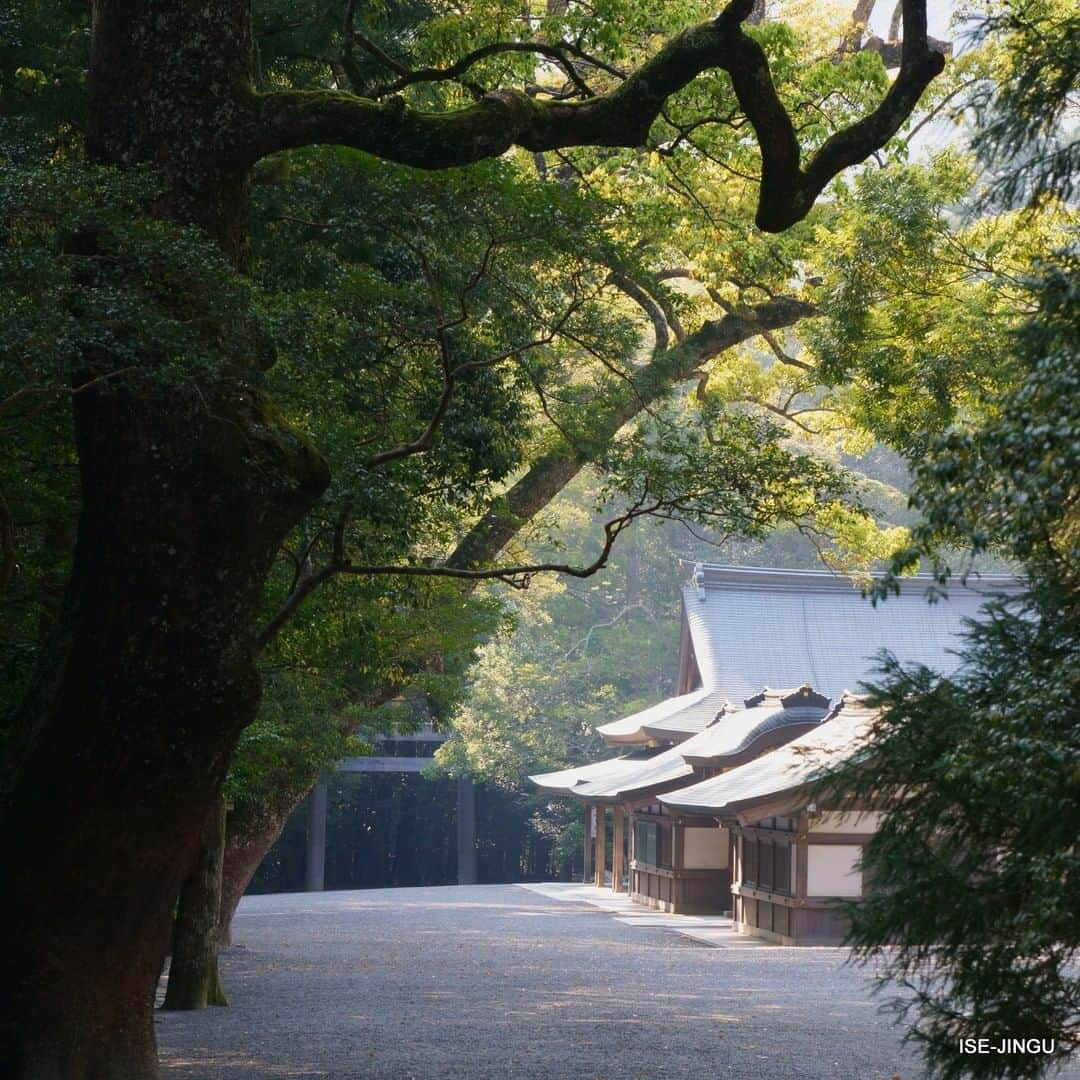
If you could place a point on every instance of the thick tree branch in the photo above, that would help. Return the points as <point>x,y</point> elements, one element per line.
<point>393,130</point>
<point>647,304</point>
<point>550,474</point>
<point>891,52</point>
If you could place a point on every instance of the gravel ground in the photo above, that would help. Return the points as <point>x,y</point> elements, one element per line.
<point>471,983</point>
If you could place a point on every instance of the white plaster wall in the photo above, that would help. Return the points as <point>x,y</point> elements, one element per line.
<point>831,870</point>
<point>850,822</point>
<point>705,849</point>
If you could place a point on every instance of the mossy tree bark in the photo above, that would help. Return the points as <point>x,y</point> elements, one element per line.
<point>194,979</point>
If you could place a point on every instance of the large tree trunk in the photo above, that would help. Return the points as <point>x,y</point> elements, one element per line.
<point>126,739</point>
<point>188,488</point>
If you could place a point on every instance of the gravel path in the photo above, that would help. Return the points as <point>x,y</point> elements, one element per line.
<point>503,982</point>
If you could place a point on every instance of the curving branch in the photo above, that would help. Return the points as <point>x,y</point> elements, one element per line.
<point>561,54</point>
<point>450,371</point>
<point>583,643</point>
<point>470,561</point>
<point>656,314</point>
<point>518,576</point>
<point>393,130</point>
<point>551,473</point>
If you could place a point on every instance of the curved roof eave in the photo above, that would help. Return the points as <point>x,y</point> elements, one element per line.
<point>566,781</point>
<point>786,770</point>
<point>665,768</point>
<point>672,720</point>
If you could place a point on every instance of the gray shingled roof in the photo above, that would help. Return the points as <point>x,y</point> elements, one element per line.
<point>676,718</point>
<point>733,730</point>
<point>752,627</point>
<point>736,729</point>
<point>661,769</point>
<point>569,781</point>
<point>789,768</point>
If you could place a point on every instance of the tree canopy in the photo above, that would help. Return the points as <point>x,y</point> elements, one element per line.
<point>982,769</point>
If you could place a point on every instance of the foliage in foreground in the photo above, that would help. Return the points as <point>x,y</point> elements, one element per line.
<point>976,871</point>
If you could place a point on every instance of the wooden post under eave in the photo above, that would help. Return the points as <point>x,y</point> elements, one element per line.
<point>466,831</point>
<point>618,859</point>
<point>601,845</point>
<point>587,876</point>
<point>315,854</point>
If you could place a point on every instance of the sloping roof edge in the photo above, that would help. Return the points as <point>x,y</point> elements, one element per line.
<point>785,770</point>
<point>566,781</point>
<point>722,576</point>
<point>631,729</point>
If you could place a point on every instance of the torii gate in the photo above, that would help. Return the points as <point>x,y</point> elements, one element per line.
<point>428,740</point>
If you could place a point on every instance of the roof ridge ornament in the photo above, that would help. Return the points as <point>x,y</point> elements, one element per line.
<point>850,702</point>
<point>697,579</point>
<point>723,711</point>
<point>799,697</point>
<point>804,696</point>
<point>756,699</point>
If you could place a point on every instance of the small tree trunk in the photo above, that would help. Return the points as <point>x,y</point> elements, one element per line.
<point>194,980</point>
<point>251,831</point>
<point>632,564</point>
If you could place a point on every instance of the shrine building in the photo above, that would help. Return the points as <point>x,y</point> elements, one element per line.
<point>709,799</point>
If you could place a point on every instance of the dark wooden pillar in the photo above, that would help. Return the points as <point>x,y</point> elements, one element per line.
<point>587,865</point>
<point>315,854</point>
<point>466,831</point>
<point>618,857</point>
<point>601,845</point>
